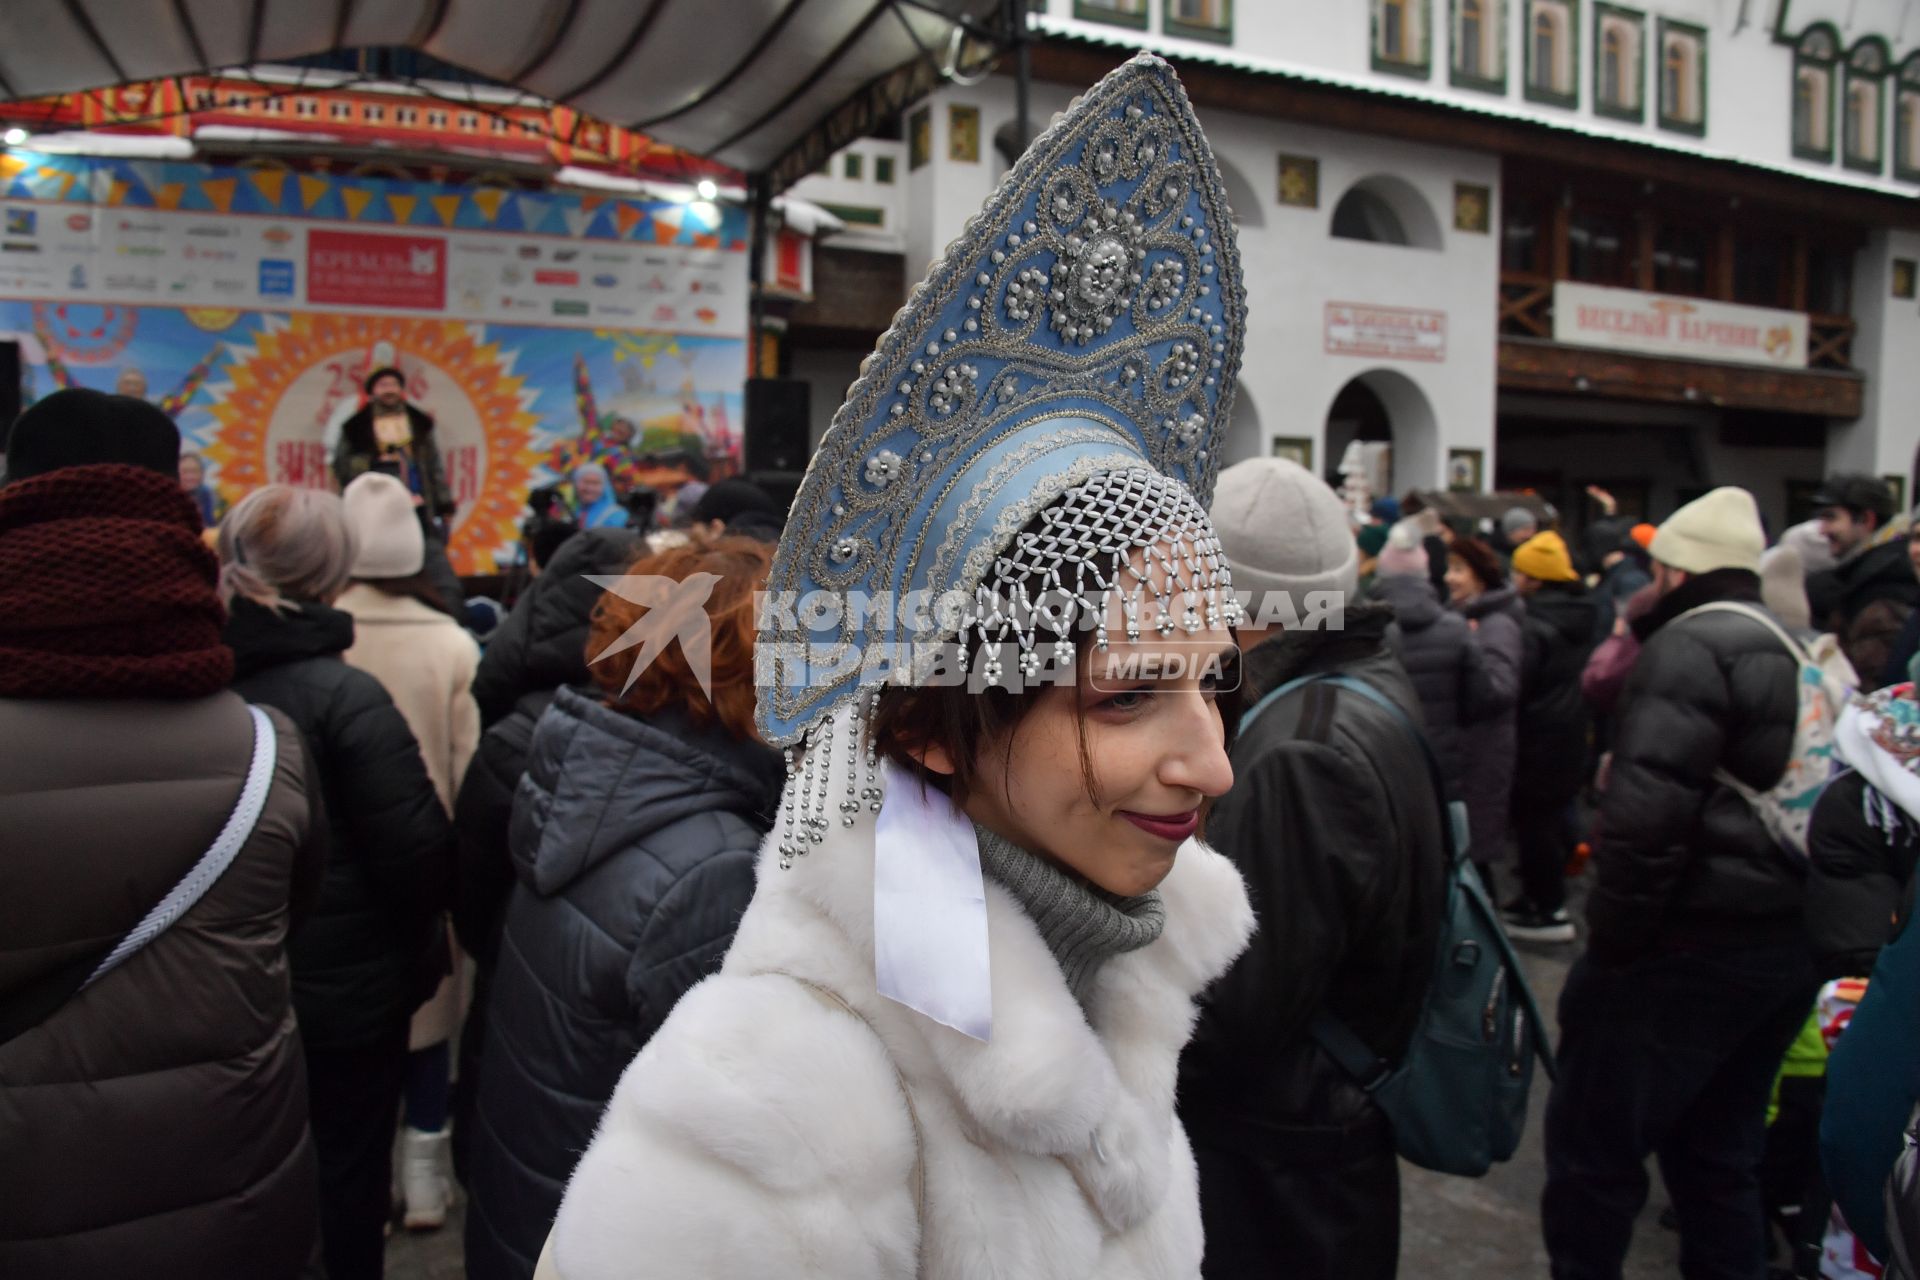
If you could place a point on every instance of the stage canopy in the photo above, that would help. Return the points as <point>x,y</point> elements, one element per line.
<point>768,87</point>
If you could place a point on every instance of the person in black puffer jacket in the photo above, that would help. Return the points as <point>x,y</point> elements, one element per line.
<point>633,873</point>
<point>542,647</point>
<point>367,957</point>
<point>1449,672</point>
<point>1478,592</point>
<point>1697,974</point>
<point>1550,758</point>
<point>1334,823</point>
<point>1865,836</point>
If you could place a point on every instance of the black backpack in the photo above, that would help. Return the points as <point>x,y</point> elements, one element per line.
<point>1458,1097</point>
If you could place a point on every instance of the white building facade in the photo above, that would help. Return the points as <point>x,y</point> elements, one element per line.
<point>1525,243</point>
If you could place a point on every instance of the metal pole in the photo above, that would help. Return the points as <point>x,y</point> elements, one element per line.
<point>760,210</point>
<point>1022,72</point>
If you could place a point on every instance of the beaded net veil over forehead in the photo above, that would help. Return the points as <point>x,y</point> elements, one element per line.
<point>1130,546</point>
<point>1040,421</point>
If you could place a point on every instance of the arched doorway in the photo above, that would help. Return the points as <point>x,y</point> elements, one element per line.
<point>1388,414</point>
<point>1384,209</point>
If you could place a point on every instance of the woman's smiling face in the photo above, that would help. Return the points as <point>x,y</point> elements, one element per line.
<point>1156,750</point>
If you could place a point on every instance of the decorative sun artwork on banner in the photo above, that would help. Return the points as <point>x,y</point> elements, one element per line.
<point>541,329</point>
<point>280,412</point>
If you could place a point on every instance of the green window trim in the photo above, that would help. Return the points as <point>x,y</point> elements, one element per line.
<point>1636,114</point>
<point>1903,88</point>
<point>1533,92</point>
<point>855,215</point>
<point>1197,31</point>
<point>1112,17</point>
<point>853,166</point>
<point>1677,124</point>
<point>1875,164</point>
<point>1413,70</point>
<point>1801,61</point>
<point>883,170</point>
<point>1466,80</point>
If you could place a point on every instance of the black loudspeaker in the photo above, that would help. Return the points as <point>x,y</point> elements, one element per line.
<point>9,388</point>
<point>776,424</point>
<point>781,486</point>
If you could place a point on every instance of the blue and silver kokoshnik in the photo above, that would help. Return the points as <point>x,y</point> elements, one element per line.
<point>1030,448</point>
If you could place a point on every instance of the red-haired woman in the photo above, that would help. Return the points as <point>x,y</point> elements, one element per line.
<point>634,835</point>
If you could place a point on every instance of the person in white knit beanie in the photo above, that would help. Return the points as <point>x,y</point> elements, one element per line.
<point>426,661</point>
<point>1695,905</point>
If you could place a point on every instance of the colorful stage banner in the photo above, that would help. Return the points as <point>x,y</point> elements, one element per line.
<point>540,329</point>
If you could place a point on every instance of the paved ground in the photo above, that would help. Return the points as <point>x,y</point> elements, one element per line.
<point>1452,1228</point>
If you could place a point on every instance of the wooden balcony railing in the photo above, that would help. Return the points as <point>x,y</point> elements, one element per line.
<point>1526,311</point>
<point>1526,305</point>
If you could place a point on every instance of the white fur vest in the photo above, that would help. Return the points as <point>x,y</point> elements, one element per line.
<point>763,1132</point>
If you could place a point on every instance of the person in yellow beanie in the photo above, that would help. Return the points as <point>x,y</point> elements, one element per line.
<point>1550,760</point>
<point>1698,971</point>
<point>1544,558</point>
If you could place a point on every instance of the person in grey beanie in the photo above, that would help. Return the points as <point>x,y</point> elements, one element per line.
<point>1518,524</point>
<point>1438,650</point>
<point>1334,823</point>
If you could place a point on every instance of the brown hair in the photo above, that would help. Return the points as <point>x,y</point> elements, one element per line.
<point>1480,561</point>
<point>741,564</point>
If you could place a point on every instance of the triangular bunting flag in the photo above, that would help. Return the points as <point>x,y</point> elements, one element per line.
<point>168,195</point>
<point>269,183</point>
<point>100,185</point>
<point>117,193</point>
<point>626,216</point>
<point>219,192</point>
<point>11,165</point>
<point>576,219</point>
<point>311,189</point>
<point>488,201</point>
<point>533,212</point>
<point>447,207</point>
<point>356,200</point>
<point>590,203</point>
<point>402,207</point>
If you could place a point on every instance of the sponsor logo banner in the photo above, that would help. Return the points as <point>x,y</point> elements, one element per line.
<point>358,269</point>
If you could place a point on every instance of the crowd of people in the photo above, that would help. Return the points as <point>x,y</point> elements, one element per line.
<point>327,899</point>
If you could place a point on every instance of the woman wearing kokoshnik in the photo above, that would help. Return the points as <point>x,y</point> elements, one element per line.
<point>944,1041</point>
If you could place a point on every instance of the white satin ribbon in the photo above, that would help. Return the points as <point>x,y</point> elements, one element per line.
<point>930,908</point>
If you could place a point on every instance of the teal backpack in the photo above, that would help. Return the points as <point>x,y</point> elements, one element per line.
<point>1458,1097</point>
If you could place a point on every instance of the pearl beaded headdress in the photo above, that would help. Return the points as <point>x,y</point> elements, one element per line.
<point>1089,320</point>
<point>1033,444</point>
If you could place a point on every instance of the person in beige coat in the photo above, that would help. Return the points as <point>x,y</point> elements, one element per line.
<point>426,660</point>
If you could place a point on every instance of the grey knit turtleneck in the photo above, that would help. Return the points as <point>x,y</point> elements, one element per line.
<point>1082,925</point>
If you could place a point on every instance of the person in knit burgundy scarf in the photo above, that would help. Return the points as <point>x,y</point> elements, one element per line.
<point>155,1119</point>
<point>105,587</point>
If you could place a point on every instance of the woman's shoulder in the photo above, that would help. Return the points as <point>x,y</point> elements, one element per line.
<point>756,1089</point>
